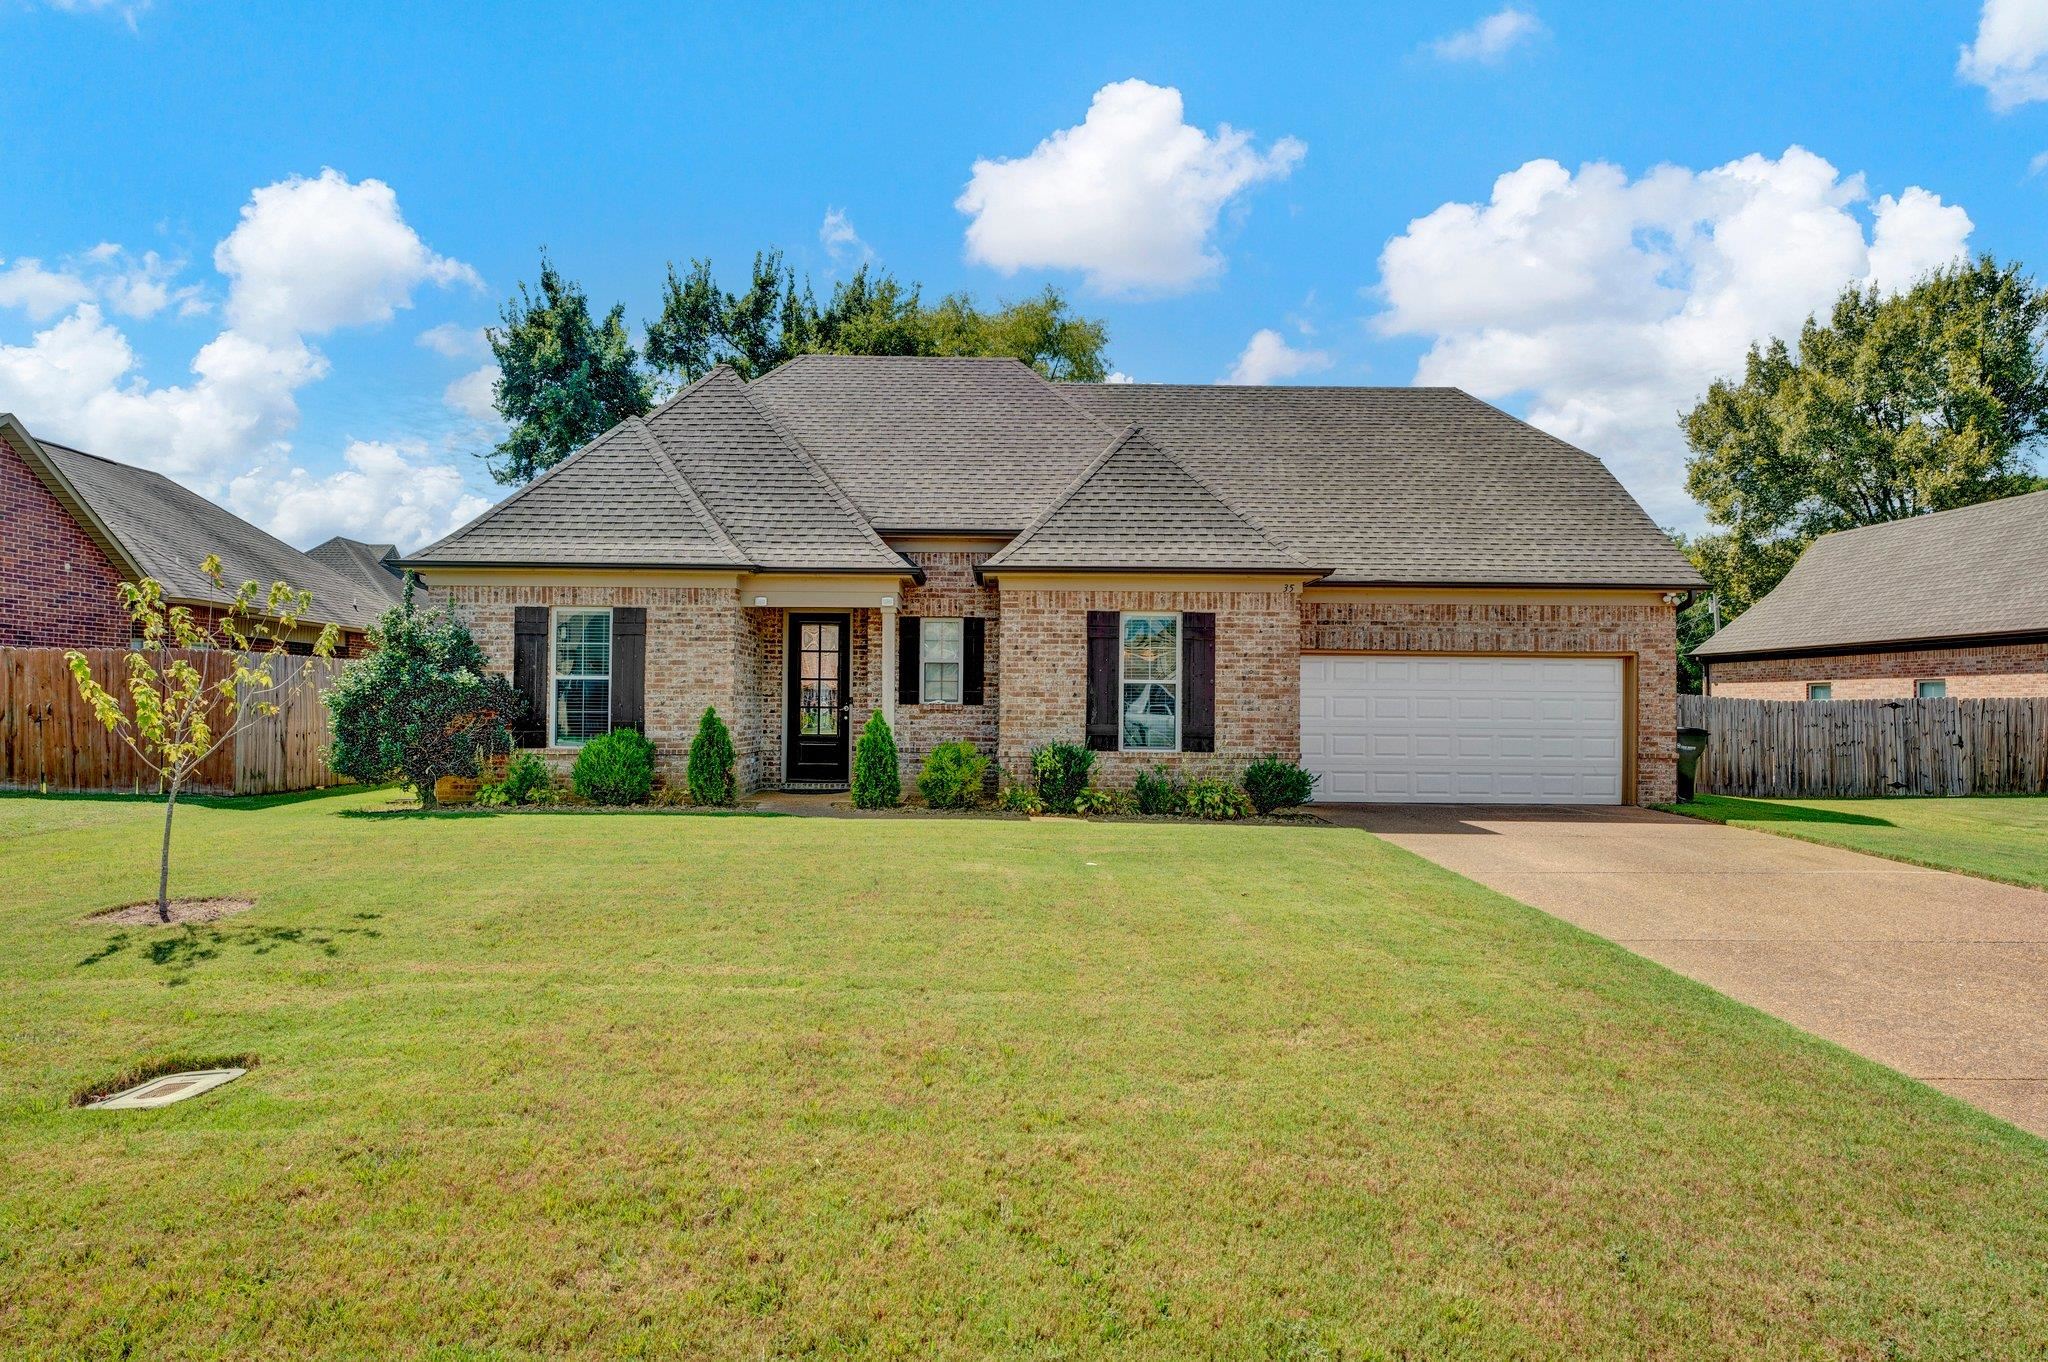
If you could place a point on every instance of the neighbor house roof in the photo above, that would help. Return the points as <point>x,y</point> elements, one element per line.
<point>1137,507</point>
<point>374,566</point>
<point>807,467</point>
<point>1974,573</point>
<point>153,527</point>
<point>707,480</point>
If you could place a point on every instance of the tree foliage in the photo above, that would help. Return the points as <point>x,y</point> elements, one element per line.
<point>564,378</point>
<point>777,317</point>
<point>1893,406</point>
<point>175,718</point>
<point>422,705</point>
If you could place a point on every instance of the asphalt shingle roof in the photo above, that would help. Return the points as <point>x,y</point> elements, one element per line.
<point>1973,572</point>
<point>1137,506</point>
<point>371,566</point>
<point>167,530</point>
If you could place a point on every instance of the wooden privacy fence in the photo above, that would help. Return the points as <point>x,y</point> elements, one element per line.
<point>1795,749</point>
<point>50,738</point>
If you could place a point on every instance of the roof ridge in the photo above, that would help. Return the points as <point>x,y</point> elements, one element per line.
<point>1922,517</point>
<point>543,476</point>
<point>1222,500</point>
<point>1067,493</point>
<point>809,460</point>
<point>680,393</point>
<point>668,462</point>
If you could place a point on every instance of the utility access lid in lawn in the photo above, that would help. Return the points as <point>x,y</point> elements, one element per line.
<point>165,1089</point>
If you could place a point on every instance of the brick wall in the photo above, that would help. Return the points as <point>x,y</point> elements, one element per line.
<point>951,592</point>
<point>1045,675</point>
<point>57,589</point>
<point>1984,672</point>
<point>1643,630</point>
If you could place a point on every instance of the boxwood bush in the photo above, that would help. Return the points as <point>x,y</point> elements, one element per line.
<point>1277,783</point>
<point>953,777</point>
<point>615,768</point>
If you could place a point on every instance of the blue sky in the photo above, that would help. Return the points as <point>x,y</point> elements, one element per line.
<point>1445,193</point>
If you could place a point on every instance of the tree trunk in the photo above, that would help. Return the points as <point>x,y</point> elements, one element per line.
<point>163,870</point>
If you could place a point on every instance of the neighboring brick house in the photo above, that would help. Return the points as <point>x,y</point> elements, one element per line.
<point>1950,604</point>
<point>74,526</point>
<point>1415,594</point>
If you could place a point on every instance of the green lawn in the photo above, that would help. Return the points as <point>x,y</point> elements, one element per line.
<point>2001,837</point>
<point>747,1087</point>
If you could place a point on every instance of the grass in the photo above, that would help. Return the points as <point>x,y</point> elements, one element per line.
<point>1998,837</point>
<point>740,1087</point>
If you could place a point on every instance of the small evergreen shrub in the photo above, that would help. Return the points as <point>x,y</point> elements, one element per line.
<point>1020,799</point>
<point>1093,802</point>
<point>954,776</point>
<point>526,781</point>
<point>709,771</point>
<point>1123,803</point>
<point>615,768</point>
<point>1276,783</point>
<point>1158,793</point>
<point>1217,800</point>
<point>877,784</point>
<point>1061,771</point>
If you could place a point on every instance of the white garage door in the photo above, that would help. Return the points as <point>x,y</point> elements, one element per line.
<point>1397,729</point>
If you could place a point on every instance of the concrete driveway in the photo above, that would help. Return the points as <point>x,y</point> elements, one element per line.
<point>1943,977</point>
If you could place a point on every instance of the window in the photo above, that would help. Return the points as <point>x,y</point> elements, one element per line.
<point>1930,690</point>
<point>583,676</point>
<point>939,655</point>
<point>1148,663</point>
<point>1820,690</point>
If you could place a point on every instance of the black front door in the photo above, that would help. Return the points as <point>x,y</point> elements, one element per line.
<point>818,702</point>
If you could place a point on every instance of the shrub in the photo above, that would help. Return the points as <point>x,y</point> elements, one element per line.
<point>1277,783</point>
<point>710,768</point>
<point>615,768</point>
<point>953,777</point>
<point>1094,801</point>
<point>1061,771</point>
<point>877,784</point>
<point>526,781</point>
<point>1020,799</point>
<point>1158,793</point>
<point>1217,800</point>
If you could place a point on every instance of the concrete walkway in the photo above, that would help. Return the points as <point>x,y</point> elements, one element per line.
<point>1943,977</point>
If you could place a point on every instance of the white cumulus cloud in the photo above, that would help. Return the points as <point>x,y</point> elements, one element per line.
<point>39,292</point>
<point>1610,303</point>
<point>1268,358</point>
<point>474,395</point>
<point>837,235</point>
<point>310,256</point>
<point>1130,197</point>
<point>456,342</point>
<point>391,492</point>
<point>1491,39</point>
<point>2010,56</point>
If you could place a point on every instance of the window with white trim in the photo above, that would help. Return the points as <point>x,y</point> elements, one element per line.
<point>1820,690</point>
<point>1931,690</point>
<point>939,659</point>
<point>1148,676</point>
<point>582,698</point>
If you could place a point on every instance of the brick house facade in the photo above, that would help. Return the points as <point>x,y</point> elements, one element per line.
<point>57,587</point>
<point>1982,672</point>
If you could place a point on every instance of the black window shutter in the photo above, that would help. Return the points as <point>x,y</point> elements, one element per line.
<point>1102,697</point>
<point>629,667</point>
<point>907,661</point>
<point>973,647</point>
<point>530,672</point>
<point>1198,662</point>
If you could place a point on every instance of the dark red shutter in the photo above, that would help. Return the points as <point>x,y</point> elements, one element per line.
<point>1198,684</point>
<point>973,648</point>
<point>530,673</point>
<point>1102,696</point>
<point>907,661</point>
<point>629,668</point>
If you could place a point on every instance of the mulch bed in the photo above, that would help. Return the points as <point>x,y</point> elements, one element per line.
<point>182,911</point>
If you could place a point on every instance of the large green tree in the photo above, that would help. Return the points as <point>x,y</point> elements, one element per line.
<point>564,379</point>
<point>1893,406</point>
<point>777,316</point>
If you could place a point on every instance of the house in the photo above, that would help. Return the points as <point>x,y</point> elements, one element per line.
<point>1413,593</point>
<point>1954,603</point>
<point>77,525</point>
<point>374,567</point>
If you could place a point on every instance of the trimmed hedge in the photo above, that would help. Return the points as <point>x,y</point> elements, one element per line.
<point>615,768</point>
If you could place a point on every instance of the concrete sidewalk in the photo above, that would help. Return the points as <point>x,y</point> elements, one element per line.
<point>1941,976</point>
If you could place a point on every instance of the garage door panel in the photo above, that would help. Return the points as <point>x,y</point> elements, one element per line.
<point>1392,729</point>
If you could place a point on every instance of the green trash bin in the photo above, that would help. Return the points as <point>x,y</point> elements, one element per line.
<point>1691,743</point>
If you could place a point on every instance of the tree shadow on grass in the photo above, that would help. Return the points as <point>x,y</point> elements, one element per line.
<point>192,944</point>
<point>1727,809</point>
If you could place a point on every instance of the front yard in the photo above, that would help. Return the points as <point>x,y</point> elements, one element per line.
<point>2001,837</point>
<point>639,1084</point>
